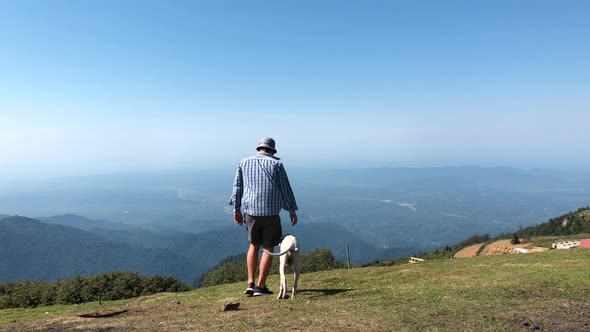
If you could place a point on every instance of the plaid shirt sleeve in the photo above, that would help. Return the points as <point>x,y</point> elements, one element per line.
<point>238,191</point>
<point>289,202</point>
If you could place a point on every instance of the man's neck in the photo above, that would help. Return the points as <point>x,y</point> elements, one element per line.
<point>272,155</point>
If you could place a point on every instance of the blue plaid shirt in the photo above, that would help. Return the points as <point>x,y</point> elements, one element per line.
<point>262,187</point>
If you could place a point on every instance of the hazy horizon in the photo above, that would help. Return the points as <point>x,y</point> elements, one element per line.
<point>229,169</point>
<point>110,87</point>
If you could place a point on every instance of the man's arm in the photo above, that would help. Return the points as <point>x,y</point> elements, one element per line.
<point>293,217</point>
<point>236,198</point>
<point>289,202</point>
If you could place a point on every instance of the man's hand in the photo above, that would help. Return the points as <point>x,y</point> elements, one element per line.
<point>293,217</point>
<point>238,219</point>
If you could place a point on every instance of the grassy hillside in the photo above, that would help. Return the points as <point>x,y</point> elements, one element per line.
<point>549,291</point>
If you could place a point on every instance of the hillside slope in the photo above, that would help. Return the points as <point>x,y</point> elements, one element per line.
<point>81,222</point>
<point>545,291</point>
<point>33,250</point>
<point>570,223</point>
<point>66,245</point>
<point>211,247</point>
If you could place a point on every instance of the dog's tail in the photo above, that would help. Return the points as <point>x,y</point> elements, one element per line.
<point>280,253</point>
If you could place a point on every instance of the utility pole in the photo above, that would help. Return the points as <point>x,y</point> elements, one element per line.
<point>348,256</point>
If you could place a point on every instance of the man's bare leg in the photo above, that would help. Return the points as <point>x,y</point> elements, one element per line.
<point>265,264</point>
<point>252,261</point>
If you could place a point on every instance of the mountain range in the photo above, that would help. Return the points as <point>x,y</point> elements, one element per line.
<point>417,208</point>
<point>182,218</point>
<point>34,250</point>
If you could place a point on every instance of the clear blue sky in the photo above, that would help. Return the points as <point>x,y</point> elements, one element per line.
<point>105,86</point>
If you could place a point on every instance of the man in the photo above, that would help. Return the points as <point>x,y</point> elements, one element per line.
<point>262,188</point>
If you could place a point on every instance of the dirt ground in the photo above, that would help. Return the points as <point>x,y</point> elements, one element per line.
<point>565,316</point>
<point>469,251</point>
<point>504,244</point>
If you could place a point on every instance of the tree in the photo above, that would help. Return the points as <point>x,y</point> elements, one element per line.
<point>515,239</point>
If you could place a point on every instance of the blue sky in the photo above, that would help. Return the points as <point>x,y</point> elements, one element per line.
<point>106,86</point>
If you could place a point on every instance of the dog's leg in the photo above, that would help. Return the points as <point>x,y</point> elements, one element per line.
<point>297,268</point>
<point>283,286</point>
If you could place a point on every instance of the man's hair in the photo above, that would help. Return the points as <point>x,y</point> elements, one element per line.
<point>267,150</point>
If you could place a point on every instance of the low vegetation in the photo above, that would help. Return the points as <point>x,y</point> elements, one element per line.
<point>100,287</point>
<point>445,253</point>
<point>233,269</point>
<point>118,285</point>
<point>515,239</point>
<point>544,291</point>
<point>574,225</point>
<point>537,291</point>
<point>575,222</point>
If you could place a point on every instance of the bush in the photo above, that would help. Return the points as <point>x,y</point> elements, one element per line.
<point>225,274</point>
<point>25,294</point>
<point>158,284</point>
<point>69,291</point>
<point>105,286</point>
<point>319,260</point>
<point>234,269</point>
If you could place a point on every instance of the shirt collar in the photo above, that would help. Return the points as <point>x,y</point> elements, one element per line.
<point>264,154</point>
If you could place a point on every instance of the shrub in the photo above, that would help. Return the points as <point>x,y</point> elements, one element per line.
<point>225,274</point>
<point>233,269</point>
<point>105,286</point>
<point>319,260</point>
<point>25,294</point>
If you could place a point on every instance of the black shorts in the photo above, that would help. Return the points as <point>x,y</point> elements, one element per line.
<point>264,230</point>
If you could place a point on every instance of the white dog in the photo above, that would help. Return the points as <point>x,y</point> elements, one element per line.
<point>289,256</point>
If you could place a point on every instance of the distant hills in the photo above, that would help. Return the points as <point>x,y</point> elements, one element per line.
<point>34,250</point>
<point>213,246</point>
<point>418,208</point>
<point>81,222</point>
<point>31,249</point>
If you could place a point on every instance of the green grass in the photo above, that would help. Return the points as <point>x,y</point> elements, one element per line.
<point>547,241</point>
<point>497,293</point>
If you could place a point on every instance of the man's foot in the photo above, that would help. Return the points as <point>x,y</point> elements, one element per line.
<point>262,291</point>
<point>250,289</point>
